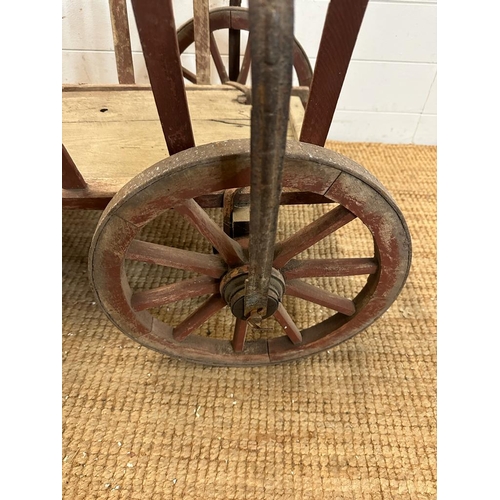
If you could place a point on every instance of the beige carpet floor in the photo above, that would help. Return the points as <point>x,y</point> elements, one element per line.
<point>355,422</point>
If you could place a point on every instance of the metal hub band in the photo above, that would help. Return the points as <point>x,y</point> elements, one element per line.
<point>232,289</point>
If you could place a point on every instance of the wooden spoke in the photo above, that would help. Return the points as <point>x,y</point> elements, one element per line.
<point>240,332</point>
<point>234,47</point>
<point>156,27</point>
<point>219,63</point>
<point>245,65</point>
<point>342,23</point>
<point>167,294</point>
<point>143,251</point>
<point>311,234</point>
<point>234,55</point>
<point>310,268</point>
<point>229,250</point>
<point>188,75</point>
<point>303,290</point>
<point>288,325</point>
<point>214,304</point>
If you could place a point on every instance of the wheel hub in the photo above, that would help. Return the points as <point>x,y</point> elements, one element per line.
<point>232,289</point>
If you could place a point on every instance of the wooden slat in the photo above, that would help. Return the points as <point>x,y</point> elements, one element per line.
<point>93,87</point>
<point>342,24</point>
<point>71,176</point>
<point>106,152</point>
<point>130,106</point>
<point>201,24</point>
<point>121,40</point>
<point>301,92</point>
<point>157,31</point>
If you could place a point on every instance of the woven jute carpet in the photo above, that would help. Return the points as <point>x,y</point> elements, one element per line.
<point>355,422</point>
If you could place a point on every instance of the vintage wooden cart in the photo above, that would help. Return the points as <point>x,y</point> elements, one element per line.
<point>245,160</point>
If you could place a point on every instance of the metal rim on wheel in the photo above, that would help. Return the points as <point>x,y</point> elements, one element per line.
<point>174,182</point>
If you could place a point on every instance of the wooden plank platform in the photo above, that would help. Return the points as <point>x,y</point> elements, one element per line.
<point>112,135</point>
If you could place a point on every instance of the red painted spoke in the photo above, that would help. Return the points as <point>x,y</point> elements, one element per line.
<point>188,75</point>
<point>219,63</point>
<point>240,332</point>
<point>310,268</point>
<point>214,304</point>
<point>143,251</point>
<point>245,65</point>
<point>174,292</point>
<point>342,23</point>
<point>234,48</point>
<point>311,234</point>
<point>288,325</point>
<point>303,290</point>
<point>229,250</point>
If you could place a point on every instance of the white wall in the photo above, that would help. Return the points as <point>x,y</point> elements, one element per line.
<point>389,94</point>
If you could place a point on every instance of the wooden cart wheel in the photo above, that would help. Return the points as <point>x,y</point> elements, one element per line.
<point>236,18</point>
<point>173,183</point>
